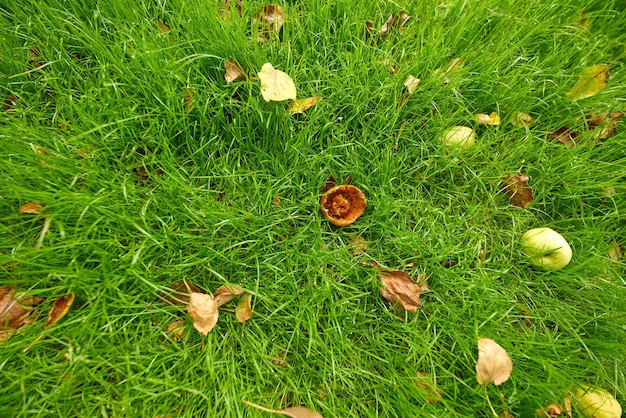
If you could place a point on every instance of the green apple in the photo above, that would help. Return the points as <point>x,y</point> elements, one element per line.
<point>546,248</point>
<point>597,403</point>
<point>461,137</point>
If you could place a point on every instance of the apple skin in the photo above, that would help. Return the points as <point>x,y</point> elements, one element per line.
<point>597,403</point>
<point>461,137</point>
<point>546,248</point>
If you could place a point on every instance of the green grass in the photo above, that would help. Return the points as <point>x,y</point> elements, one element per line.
<point>111,89</point>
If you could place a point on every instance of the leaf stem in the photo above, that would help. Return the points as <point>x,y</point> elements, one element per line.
<point>262,408</point>
<point>489,401</point>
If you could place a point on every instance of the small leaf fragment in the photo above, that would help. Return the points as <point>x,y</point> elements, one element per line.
<point>162,27</point>
<point>243,311</point>
<point>564,135</point>
<point>225,294</point>
<point>275,84</point>
<point>177,294</point>
<point>485,119</point>
<point>494,364</point>
<point>607,122</point>
<point>300,105</point>
<point>520,193</point>
<point>188,100</point>
<point>616,252</point>
<point>234,72</point>
<point>329,184</point>
<point>399,288</point>
<point>269,20</point>
<point>358,245</point>
<point>412,83</point>
<point>592,80</point>
<point>203,311</point>
<point>426,385</point>
<point>16,310</point>
<point>176,330</point>
<point>33,208</point>
<point>522,119</point>
<point>394,20</point>
<point>60,307</point>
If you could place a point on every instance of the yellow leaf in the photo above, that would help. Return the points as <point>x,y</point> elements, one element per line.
<point>59,309</point>
<point>275,84</point>
<point>494,364</point>
<point>243,311</point>
<point>300,105</point>
<point>203,310</point>
<point>485,119</point>
<point>592,80</point>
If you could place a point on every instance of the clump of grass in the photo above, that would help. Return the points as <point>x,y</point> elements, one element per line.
<point>141,194</point>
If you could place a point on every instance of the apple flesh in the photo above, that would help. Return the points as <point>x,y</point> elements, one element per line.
<point>546,248</point>
<point>461,137</point>
<point>597,403</point>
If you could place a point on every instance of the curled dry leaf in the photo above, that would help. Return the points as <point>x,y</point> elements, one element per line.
<point>342,205</point>
<point>234,72</point>
<point>300,105</point>
<point>60,307</point>
<point>225,294</point>
<point>564,135</point>
<point>394,20</point>
<point>275,84</point>
<point>399,288</point>
<point>176,330</point>
<point>178,293</point>
<point>268,20</point>
<point>592,80</point>
<point>606,122</point>
<point>520,193</point>
<point>494,364</point>
<point>522,119</point>
<point>33,208</point>
<point>16,310</point>
<point>203,311</point>
<point>485,119</point>
<point>243,311</point>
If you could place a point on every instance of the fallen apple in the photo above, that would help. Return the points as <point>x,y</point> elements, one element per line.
<point>546,248</point>
<point>461,137</point>
<point>597,403</point>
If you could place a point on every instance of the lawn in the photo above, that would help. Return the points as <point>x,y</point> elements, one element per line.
<point>150,169</point>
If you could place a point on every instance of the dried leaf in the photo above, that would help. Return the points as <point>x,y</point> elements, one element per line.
<point>330,183</point>
<point>293,412</point>
<point>16,310</point>
<point>412,83</point>
<point>615,251</point>
<point>59,309</point>
<point>494,364</point>
<point>176,330</point>
<point>269,20</point>
<point>203,311</point>
<point>162,27</point>
<point>399,288</point>
<point>358,245</point>
<point>34,57</point>
<point>10,102</point>
<point>606,121</point>
<point>455,64</point>
<point>300,105</point>
<point>520,193</point>
<point>226,7</point>
<point>592,80</point>
<point>243,311</point>
<point>188,100</point>
<point>426,385</point>
<point>178,293</point>
<point>33,208</point>
<point>275,84</point>
<point>522,119</point>
<point>234,72</point>
<point>394,20</point>
<point>225,294</point>
<point>485,119</point>
<point>564,135</point>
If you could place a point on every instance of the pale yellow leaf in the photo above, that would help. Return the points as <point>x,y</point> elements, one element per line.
<point>592,80</point>
<point>243,311</point>
<point>275,84</point>
<point>494,364</point>
<point>412,83</point>
<point>203,310</point>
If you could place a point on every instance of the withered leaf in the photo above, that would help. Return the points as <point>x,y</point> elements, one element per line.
<point>269,20</point>
<point>455,64</point>
<point>275,84</point>
<point>203,311</point>
<point>592,80</point>
<point>188,100</point>
<point>615,251</point>
<point>293,412</point>
<point>358,245</point>
<point>162,27</point>
<point>426,385</point>
<point>522,119</point>
<point>178,293</point>
<point>394,20</point>
<point>176,330</point>
<point>485,119</point>
<point>520,193</point>
<point>16,310</point>
<point>34,57</point>
<point>300,105</point>
<point>234,72</point>
<point>243,311</point>
<point>225,294</point>
<point>33,208</point>
<point>565,135</point>
<point>398,288</point>
<point>412,83</point>
<point>494,364</point>
<point>330,183</point>
<point>607,122</point>
<point>60,307</point>
<point>10,102</point>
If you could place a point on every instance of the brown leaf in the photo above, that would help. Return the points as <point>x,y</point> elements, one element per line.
<point>16,310</point>
<point>300,105</point>
<point>520,193</point>
<point>393,21</point>
<point>606,121</point>
<point>225,294</point>
<point>398,288</point>
<point>162,27</point>
<point>178,293</point>
<point>188,100</point>
<point>243,311</point>
<point>176,330</point>
<point>10,102</point>
<point>565,135</point>
<point>269,20</point>
<point>234,72</point>
<point>203,311</point>
<point>34,57</point>
<point>279,361</point>
<point>59,309</point>
<point>494,364</point>
<point>33,208</point>
<point>358,245</point>
<point>330,183</point>
<point>426,385</point>
<point>412,83</point>
<point>615,251</point>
